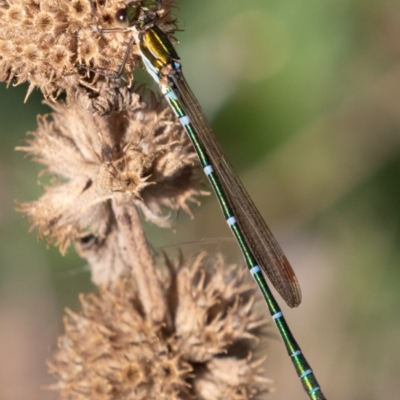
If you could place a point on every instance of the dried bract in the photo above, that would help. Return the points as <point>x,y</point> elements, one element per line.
<point>139,156</point>
<point>54,45</point>
<point>111,351</point>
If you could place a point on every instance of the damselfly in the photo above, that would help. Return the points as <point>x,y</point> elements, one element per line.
<point>260,249</point>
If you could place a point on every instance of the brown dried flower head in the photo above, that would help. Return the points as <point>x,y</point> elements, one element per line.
<point>139,156</point>
<point>202,350</point>
<point>46,42</point>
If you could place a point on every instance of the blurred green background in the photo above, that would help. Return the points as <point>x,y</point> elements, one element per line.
<point>305,98</point>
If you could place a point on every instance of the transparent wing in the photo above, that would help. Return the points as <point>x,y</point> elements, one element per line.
<point>258,236</point>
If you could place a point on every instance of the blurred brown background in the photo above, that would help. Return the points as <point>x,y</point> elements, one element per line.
<point>305,98</point>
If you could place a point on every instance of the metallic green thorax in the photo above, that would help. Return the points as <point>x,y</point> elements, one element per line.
<point>157,49</point>
<point>161,61</point>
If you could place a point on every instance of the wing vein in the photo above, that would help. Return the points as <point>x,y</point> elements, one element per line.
<point>258,236</point>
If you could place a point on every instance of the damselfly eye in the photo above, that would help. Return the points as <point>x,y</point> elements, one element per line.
<point>151,5</point>
<point>121,17</point>
<point>126,17</point>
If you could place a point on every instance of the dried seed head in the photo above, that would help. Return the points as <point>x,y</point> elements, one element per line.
<point>106,256</point>
<point>111,351</point>
<point>139,156</point>
<point>54,44</point>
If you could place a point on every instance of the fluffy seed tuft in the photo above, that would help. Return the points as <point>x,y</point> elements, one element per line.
<point>139,156</point>
<point>59,27</point>
<point>111,351</point>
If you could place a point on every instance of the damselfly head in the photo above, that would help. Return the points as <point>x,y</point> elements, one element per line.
<point>138,14</point>
<point>151,5</point>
